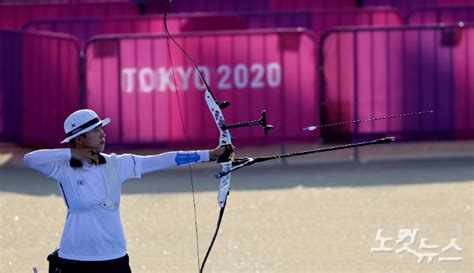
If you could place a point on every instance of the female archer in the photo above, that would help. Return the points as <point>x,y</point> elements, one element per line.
<point>93,239</point>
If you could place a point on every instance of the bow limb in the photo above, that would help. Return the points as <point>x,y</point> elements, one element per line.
<point>168,35</point>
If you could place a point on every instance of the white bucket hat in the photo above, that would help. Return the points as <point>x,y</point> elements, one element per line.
<point>80,122</point>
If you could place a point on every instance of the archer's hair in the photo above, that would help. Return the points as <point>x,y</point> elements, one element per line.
<point>72,142</point>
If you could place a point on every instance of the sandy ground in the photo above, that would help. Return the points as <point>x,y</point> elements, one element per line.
<point>310,215</point>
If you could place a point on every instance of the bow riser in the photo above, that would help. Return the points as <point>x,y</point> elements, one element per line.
<point>225,139</point>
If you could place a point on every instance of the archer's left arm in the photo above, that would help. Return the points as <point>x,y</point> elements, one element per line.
<point>136,165</point>
<point>152,163</point>
<point>168,160</point>
<point>133,166</point>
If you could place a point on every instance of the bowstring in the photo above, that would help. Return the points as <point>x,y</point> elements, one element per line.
<point>168,35</point>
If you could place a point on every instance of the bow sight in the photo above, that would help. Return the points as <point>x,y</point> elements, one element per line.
<point>261,121</point>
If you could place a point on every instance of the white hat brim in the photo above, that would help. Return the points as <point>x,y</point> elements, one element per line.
<point>101,122</point>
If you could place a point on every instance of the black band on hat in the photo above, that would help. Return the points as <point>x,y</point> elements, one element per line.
<point>83,126</point>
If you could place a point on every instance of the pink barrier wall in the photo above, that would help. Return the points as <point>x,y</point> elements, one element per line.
<point>406,6</point>
<point>441,14</point>
<point>285,5</point>
<point>39,84</point>
<point>15,15</point>
<point>318,21</point>
<point>157,6</point>
<point>451,2</point>
<point>130,79</point>
<point>209,6</point>
<point>51,82</point>
<point>63,1</point>
<point>10,85</point>
<point>378,72</point>
<point>403,6</point>
<point>85,28</point>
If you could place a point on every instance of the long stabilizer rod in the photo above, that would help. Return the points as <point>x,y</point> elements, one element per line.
<point>245,162</point>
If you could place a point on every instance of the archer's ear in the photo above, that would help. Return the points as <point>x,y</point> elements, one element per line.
<point>79,139</point>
